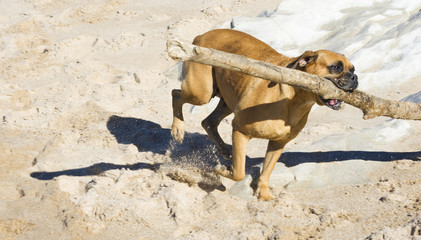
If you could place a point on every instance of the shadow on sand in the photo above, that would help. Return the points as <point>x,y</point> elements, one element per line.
<point>148,136</point>
<point>196,150</point>
<point>295,158</point>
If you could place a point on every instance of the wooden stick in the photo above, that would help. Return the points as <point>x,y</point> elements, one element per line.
<point>371,106</point>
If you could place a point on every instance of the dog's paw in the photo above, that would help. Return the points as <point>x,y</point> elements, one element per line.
<point>263,194</point>
<point>226,153</point>
<point>177,135</point>
<point>223,171</point>
<point>177,132</point>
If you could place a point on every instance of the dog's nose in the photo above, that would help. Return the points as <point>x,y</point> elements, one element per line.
<point>354,81</point>
<point>354,78</point>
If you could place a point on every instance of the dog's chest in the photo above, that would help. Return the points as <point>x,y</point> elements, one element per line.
<point>277,114</point>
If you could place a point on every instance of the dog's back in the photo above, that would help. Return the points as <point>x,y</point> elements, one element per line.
<point>240,43</point>
<point>230,85</point>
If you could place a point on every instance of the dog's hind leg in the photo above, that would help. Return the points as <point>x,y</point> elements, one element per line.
<point>197,88</point>
<point>210,124</point>
<point>177,129</point>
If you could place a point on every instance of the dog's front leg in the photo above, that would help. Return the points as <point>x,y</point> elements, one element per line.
<point>273,153</point>
<point>239,144</point>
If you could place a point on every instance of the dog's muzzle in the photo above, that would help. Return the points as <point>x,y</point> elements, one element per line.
<point>348,82</point>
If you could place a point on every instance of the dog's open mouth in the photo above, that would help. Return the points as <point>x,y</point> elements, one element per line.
<point>332,103</point>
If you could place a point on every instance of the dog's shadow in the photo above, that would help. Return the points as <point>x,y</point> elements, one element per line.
<point>148,136</point>
<point>291,159</point>
<point>196,151</point>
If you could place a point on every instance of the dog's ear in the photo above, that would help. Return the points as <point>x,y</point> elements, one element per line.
<point>302,61</point>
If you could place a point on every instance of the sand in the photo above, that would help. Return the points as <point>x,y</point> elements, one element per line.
<point>86,151</point>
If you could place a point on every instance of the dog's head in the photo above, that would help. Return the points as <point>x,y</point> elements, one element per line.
<point>332,66</point>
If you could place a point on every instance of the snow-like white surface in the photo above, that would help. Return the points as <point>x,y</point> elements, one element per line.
<point>382,38</point>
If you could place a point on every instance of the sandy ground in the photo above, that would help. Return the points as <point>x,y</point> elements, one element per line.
<point>85,146</point>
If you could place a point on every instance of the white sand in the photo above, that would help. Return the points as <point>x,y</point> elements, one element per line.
<point>86,152</point>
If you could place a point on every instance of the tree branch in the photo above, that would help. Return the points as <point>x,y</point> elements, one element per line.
<point>371,106</point>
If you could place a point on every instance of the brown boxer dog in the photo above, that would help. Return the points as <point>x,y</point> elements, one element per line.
<point>262,109</point>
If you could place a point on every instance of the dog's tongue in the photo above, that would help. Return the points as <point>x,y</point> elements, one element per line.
<point>333,102</point>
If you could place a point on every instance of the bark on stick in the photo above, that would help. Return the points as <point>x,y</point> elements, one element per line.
<point>371,106</point>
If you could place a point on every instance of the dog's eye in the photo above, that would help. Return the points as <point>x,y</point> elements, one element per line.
<point>336,68</point>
